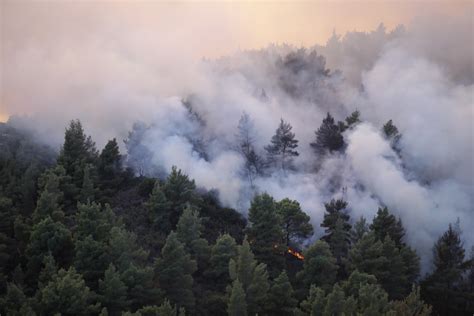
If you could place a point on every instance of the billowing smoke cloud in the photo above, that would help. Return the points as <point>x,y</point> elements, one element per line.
<point>421,77</point>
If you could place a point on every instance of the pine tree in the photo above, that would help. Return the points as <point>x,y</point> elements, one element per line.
<point>295,222</point>
<point>385,224</point>
<point>319,266</point>
<point>237,305</point>
<point>179,191</point>
<point>335,209</point>
<point>67,294</point>
<point>281,151</point>
<point>443,288</point>
<point>188,231</point>
<point>245,146</point>
<point>88,191</point>
<point>48,237</point>
<point>280,297</point>
<point>252,276</point>
<point>223,250</point>
<point>372,300</point>
<point>113,292</point>
<point>48,272</point>
<point>110,168</point>
<point>328,137</point>
<point>411,305</point>
<point>338,304</point>
<point>159,209</point>
<point>336,222</point>
<point>50,196</point>
<point>391,133</point>
<point>77,151</point>
<point>359,229</point>
<point>314,304</point>
<point>174,272</point>
<point>265,234</point>
<point>15,302</point>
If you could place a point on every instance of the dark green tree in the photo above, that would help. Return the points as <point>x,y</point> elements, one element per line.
<point>174,272</point>
<point>319,267</point>
<point>282,150</point>
<point>48,237</point>
<point>281,299</point>
<point>385,224</point>
<point>359,229</point>
<point>391,133</point>
<point>188,230</point>
<point>443,288</point>
<point>296,223</point>
<point>67,294</point>
<point>328,137</point>
<point>50,196</point>
<point>252,275</point>
<point>338,228</point>
<point>159,209</point>
<point>77,151</point>
<point>110,168</point>
<point>237,305</point>
<point>179,191</point>
<point>113,292</point>
<point>245,138</point>
<point>265,234</point>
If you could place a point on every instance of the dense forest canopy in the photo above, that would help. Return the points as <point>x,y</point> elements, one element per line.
<point>82,234</point>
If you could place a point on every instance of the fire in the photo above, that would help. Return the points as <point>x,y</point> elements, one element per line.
<point>295,253</point>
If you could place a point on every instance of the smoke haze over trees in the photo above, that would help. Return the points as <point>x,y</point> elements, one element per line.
<point>303,143</point>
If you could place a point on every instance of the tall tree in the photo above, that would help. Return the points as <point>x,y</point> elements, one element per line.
<point>189,230</point>
<point>328,137</point>
<point>295,222</point>
<point>237,305</point>
<point>246,147</point>
<point>50,196</point>
<point>319,267</point>
<point>48,237</point>
<point>391,133</point>
<point>67,294</point>
<point>174,271</point>
<point>265,234</point>
<point>113,292</point>
<point>385,224</point>
<point>110,168</point>
<point>336,222</point>
<point>159,209</point>
<point>252,275</point>
<point>359,229</point>
<point>179,191</point>
<point>282,150</point>
<point>443,288</point>
<point>77,151</point>
<point>280,297</point>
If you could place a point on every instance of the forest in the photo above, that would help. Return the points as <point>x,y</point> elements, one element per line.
<point>85,232</point>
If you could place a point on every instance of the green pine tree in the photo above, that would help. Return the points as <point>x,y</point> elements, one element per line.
<point>295,223</point>
<point>174,272</point>
<point>281,299</point>
<point>265,234</point>
<point>237,305</point>
<point>319,267</point>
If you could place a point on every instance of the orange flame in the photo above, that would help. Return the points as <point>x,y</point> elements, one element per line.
<point>295,253</point>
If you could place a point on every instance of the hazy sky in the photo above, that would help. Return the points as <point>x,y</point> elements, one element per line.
<point>40,32</point>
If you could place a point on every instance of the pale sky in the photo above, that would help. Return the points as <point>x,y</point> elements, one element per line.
<point>180,31</point>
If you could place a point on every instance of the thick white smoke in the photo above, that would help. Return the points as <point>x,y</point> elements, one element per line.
<point>420,77</point>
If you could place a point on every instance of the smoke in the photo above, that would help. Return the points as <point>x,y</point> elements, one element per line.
<point>185,113</point>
